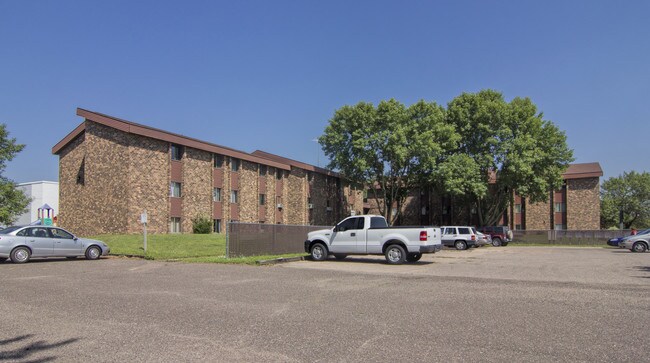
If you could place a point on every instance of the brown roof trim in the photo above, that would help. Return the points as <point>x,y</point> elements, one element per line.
<point>583,170</point>
<point>68,139</point>
<point>295,163</point>
<point>142,130</point>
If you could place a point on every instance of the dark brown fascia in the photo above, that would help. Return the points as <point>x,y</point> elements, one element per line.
<point>294,163</point>
<point>137,129</point>
<point>583,170</point>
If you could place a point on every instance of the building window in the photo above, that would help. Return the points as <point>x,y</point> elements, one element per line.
<point>518,227</point>
<point>216,195</point>
<point>278,174</point>
<point>278,201</point>
<point>560,227</point>
<point>218,161</point>
<point>175,189</point>
<point>216,226</point>
<point>234,164</point>
<point>177,152</point>
<point>175,225</point>
<point>234,196</point>
<point>560,207</point>
<point>262,170</point>
<point>310,176</point>
<point>517,208</point>
<point>262,199</point>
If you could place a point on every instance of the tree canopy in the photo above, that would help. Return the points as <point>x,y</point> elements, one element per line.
<point>480,148</point>
<point>628,194</point>
<point>390,148</point>
<point>12,201</point>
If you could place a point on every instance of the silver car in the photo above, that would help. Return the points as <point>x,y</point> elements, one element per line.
<point>21,243</point>
<point>636,243</point>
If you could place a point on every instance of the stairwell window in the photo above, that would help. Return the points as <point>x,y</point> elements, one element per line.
<point>234,196</point>
<point>218,161</point>
<point>175,225</point>
<point>175,189</point>
<point>177,152</point>
<point>216,195</point>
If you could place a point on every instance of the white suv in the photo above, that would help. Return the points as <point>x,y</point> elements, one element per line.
<point>461,237</point>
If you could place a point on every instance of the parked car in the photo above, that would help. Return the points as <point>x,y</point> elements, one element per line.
<point>371,235</point>
<point>501,235</point>
<point>639,242</point>
<point>21,243</point>
<point>460,237</point>
<point>615,241</point>
<point>481,239</point>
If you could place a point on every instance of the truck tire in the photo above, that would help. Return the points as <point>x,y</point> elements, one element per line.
<point>413,257</point>
<point>496,242</point>
<point>395,255</point>
<point>318,252</point>
<point>460,245</point>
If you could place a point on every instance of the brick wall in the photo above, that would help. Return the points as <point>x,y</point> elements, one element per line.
<point>197,186</point>
<point>248,192</point>
<point>296,201</point>
<point>537,215</point>
<point>583,203</point>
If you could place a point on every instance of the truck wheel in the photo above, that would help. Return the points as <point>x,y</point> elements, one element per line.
<point>339,256</point>
<point>318,252</point>
<point>413,257</point>
<point>395,255</point>
<point>496,242</point>
<point>460,245</point>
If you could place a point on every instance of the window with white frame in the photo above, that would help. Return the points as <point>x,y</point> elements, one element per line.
<point>234,164</point>
<point>175,189</point>
<point>177,152</point>
<point>216,226</point>
<point>234,196</point>
<point>560,207</point>
<point>175,225</point>
<point>216,194</point>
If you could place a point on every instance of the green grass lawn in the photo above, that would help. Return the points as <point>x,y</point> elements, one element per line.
<point>208,248</point>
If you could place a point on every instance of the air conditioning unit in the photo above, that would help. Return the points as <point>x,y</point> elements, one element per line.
<point>310,206</point>
<point>279,205</point>
<point>329,209</point>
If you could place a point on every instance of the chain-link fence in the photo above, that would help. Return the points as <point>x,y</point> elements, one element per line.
<point>568,237</point>
<point>254,239</point>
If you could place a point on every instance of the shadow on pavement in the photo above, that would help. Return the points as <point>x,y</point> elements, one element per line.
<point>26,348</point>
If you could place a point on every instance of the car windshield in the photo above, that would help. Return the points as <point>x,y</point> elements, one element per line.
<point>9,229</point>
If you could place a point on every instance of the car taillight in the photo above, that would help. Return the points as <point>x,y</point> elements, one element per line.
<point>423,235</point>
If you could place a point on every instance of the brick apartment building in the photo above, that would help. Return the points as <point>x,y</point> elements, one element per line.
<point>576,206</point>
<point>111,170</point>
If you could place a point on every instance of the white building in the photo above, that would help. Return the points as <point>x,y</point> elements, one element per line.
<point>41,192</point>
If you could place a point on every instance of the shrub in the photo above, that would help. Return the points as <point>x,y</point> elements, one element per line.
<point>201,225</point>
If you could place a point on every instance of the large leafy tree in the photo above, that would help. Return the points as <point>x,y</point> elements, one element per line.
<point>504,147</point>
<point>12,201</point>
<point>391,148</point>
<point>629,195</point>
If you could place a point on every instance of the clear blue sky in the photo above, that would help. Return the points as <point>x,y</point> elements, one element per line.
<point>269,74</point>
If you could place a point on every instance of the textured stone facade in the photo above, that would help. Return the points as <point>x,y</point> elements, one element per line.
<point>583,203</point>
<point>197,186</point>
<point>538,215</point>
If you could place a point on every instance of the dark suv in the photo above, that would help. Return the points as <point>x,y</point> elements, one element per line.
<point>501,235</point>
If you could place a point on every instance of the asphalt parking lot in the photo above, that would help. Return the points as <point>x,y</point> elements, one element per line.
<point>488,304</point>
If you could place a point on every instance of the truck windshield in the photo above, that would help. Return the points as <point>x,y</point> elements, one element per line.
<point>378,222</point>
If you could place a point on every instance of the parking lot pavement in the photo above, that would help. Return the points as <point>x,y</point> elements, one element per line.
<point>492,304</point>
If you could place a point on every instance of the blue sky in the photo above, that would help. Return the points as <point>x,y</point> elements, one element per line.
<point>269,74</point>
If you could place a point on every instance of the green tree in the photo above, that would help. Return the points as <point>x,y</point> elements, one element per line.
<point>629,194</point>
<point>391,148</point>
<point>505,147</point>
<point>13,202</point>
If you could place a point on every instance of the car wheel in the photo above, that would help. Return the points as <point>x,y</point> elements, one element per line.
<point>318,252</point>
<point>340,256</point>
<point>20,255</point>
<point>395,254</point>
<point>496,242</point>
<point>460,245</point>
<point>413,257</point>
<point>93,253</point>
<point>639,247</point>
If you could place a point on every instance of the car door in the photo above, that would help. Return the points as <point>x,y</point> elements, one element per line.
<point>449,236</point>
<point>39,241</point>
<point>344,239</point>
<point>65,244</point>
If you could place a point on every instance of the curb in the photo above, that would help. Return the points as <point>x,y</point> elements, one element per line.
<point>280,260</point>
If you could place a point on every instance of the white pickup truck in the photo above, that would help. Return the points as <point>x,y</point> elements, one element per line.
<point>370,235</point>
